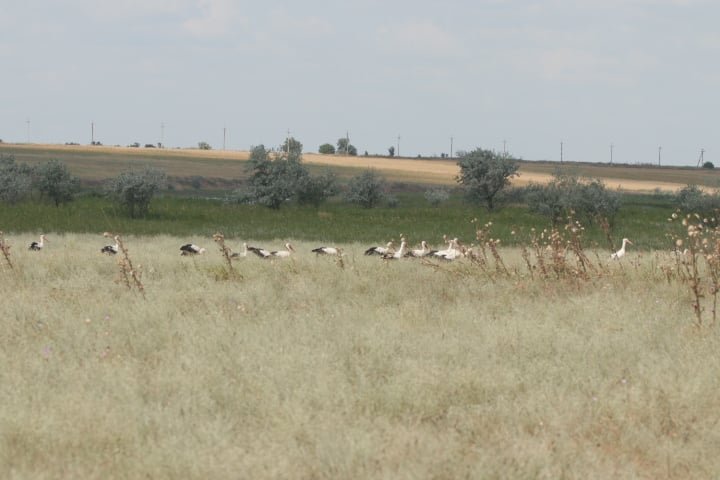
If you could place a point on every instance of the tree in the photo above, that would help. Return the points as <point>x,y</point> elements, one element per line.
<point>366,189</point>
<point>56,182</point>
<point>484,173</point>
<point>134,190</point>
<point>708,165</point>
<point>391,151</point>
<point>204,146</point>
<point>345,147</point>
<point>15,180</point>
<point>274,181</point>
<point>295,146</point>
<point>315,190</point>
<point>326,149</point>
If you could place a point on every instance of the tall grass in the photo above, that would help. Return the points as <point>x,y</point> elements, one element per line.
<point>379,369</point>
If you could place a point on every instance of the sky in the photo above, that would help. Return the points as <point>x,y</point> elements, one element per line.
<point>523,75</point>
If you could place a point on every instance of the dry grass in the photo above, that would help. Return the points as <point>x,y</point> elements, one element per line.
<point>378,369</point>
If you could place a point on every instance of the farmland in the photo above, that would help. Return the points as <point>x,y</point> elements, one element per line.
<point>95,163</point>
<point>353,367</point>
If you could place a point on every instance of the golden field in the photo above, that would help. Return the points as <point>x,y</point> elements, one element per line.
<point>96,163</point>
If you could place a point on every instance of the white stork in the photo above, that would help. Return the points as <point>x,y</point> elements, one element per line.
<point>111,249</point>
<point>421,252</point>
<point>289,250</point>
<point>243,253</point>
<point>396,255</point>
<point>621,253</point>
<point>380,250</point>
<point>37,246</point>
<point>327,251</point>
<point>191,249</point>
<point>260,252</point>
<point>451,253</point>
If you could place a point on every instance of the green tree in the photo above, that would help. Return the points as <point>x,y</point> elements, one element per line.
<point>327,149</point>
<point>204,146</point>
<point>274,181</point>
<point>708,165</point>
<point>295,146</point>
<point>436,196</point>
<point>345,147</point>
<point>15,180</point>
<point>134,190</point>
<point>484,174</point>
<point>56,182</point>
<point>366,189</point>
<point>391,151</point>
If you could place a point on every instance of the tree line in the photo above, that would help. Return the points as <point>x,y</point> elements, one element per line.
<point>277,177</point>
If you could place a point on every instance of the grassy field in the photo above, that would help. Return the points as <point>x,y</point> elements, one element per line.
<point>303,369</point>
<point>95,163</point>
<point>643,218</point>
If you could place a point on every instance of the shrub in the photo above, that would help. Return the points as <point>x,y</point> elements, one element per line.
<point>204,146</point>
<point>436,196</point>
<point>316,190</point>
<point>327,149</point>
<point>708,165</point>
<point>15,180</point>
<point>693,199</point>
<point>56,182</point>
<point>366,189</point>
<point>134,190</point>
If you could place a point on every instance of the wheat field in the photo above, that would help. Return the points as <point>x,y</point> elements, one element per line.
<point>311,367</point>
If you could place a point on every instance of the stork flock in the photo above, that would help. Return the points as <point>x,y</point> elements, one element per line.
<point>453,251</point>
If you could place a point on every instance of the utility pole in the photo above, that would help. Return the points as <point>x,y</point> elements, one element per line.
<point>659,155</point>
<point>92,133</point>
<point>347,144</point>
<point>162,134</point>
<point>398,145</point>
<point>611,153</point>
<point>504,148</point>
<point>28,130</point>
<point>701,161</point>
<point>451,147</point>
<point>224,136</point>
<point>287,142</point>
<point>561,152</point>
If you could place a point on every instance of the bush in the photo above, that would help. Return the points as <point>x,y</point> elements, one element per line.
<point>587,198</point>
<point>436,196</point>
<point>708,165</point>
<point>693,199</point>
<point>133,190</point>
<point>327,149</point>
<point>15,180</point>
<point>366,189</point>
<point>316,190</point>
<point>204,146</point>
<point>56,182</point>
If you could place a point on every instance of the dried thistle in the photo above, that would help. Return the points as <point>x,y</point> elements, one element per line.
<point>5,248</point>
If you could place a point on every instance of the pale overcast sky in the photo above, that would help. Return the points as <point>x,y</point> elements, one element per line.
<point>635,73</point>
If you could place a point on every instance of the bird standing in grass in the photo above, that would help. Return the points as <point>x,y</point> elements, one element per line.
<point>191,249</point>
<point>621,253</point>
<point>111,249</point>
<point>37,246</point>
